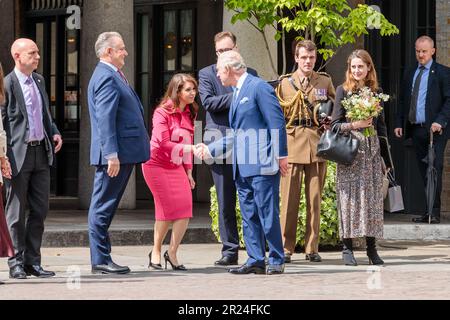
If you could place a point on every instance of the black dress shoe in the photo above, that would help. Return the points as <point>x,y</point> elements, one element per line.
<point>110,268</point>
<point>313,257</point>
<point>426,219</point>
<point>246,269</point>
<point>226,261</point>
<point>38,271</point>
<point>275,269</point>
<point>287,258</point>
<point>17,272</point>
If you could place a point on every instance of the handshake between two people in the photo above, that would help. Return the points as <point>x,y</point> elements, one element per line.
<point>201,151</point>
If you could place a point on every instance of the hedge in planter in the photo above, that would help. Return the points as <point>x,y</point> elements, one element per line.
<point>329,227</point>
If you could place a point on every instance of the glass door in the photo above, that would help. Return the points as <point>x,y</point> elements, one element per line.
<point>59,65</point>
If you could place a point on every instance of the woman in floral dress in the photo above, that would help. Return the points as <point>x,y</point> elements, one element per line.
<point>359,185</point>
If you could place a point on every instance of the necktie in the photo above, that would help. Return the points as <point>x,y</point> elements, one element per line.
<point>35,111</point>
<point>415,96</point>
<point>235,94</point>
<point>122,76</point>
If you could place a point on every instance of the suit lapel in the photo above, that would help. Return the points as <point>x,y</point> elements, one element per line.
<point>126,85</point>
<point>431,77</point>
<point>17,89</point>
<point>241,94</point>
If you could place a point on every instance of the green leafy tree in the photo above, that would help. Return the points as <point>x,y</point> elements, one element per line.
<point>330,23</point>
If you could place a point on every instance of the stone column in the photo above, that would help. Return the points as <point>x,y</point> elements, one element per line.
<point>7,37</point>
<point>443,57</point>
<point>100,16</point>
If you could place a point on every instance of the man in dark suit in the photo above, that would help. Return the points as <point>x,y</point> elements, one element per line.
<point>424,105</point>
<point>216,99</point>
<point>119,140</point>
<point>33,139</point>
<point>259,152</point>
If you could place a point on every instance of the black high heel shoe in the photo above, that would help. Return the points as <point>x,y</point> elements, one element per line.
<point>156,266</point>
<point>179,267</point>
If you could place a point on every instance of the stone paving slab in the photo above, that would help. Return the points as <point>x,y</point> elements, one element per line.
<point>413,270</point>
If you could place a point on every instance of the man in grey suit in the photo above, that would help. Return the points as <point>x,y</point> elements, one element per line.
<point>33,139</point>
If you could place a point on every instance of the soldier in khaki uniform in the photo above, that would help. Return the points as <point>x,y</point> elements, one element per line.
<point>299,93</point>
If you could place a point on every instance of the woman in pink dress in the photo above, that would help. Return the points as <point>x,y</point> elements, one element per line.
<point>6,247</point>
<point>168,173</point>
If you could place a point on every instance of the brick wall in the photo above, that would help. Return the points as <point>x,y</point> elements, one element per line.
<point>443,57</point>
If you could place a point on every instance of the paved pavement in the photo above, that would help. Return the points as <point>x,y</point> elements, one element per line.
<point>413,270</point>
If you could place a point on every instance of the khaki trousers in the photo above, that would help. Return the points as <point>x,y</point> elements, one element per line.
<point>314,174</point>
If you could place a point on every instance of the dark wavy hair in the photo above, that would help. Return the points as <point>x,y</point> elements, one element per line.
<point>173,89</point>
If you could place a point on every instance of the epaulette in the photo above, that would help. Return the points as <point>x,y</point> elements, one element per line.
<point>324,74</point>
<point>284,76</point>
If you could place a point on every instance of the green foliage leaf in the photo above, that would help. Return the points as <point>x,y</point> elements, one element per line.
<point>333,23</point>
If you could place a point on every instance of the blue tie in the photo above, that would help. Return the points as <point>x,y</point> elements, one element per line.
<point>235,94</point>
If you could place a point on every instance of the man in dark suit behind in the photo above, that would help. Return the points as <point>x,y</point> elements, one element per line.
<point>424,105</point>
<point>216,99</point>
<point>33,139</point>
<point>119,140</point>
<point>257,141</point>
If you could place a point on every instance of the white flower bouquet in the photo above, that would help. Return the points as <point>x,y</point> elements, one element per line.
<point>363,105</point>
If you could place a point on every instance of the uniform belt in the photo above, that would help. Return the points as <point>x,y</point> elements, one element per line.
<point>303,123</point>
<point>35,143</point>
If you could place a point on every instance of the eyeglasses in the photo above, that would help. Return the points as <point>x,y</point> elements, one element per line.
<point>220,51</point>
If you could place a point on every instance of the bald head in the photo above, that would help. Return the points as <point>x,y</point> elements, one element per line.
<point>424,49</point>
<point>25,53</point>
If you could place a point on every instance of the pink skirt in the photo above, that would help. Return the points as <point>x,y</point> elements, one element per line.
<point>6,247</point>
<point>171,191</point>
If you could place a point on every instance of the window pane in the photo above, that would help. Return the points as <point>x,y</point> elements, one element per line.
<point>167,78</point>
<point>53,51</point>
<point>53,96</point>
<point>144,43</point>
<point>72,59</point>
<point>145,95</point>
<point>170,40</point>
<point>40,44</point>
<point>186,40</point>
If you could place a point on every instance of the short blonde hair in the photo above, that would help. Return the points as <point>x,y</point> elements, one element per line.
<point>426,38</point>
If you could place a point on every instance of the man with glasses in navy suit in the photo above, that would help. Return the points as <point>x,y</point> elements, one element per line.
<point>216,99</point>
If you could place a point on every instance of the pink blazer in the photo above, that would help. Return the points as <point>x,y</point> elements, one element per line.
<point>171,130</point>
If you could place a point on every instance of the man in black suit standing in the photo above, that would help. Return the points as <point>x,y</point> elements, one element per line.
<point>424,105</point>
<point>216,99</point>
<point>33,139</point>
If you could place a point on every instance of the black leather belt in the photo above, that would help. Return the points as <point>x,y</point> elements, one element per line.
<point>35,143</point>
<point>303,123</point>
<point>423,124</point>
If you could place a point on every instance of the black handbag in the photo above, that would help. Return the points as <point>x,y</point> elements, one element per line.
<point>338,147</point>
